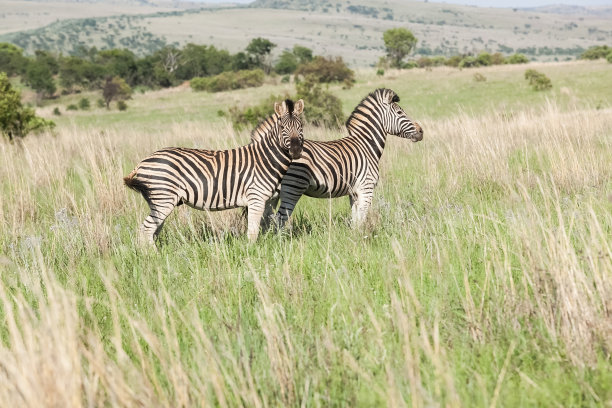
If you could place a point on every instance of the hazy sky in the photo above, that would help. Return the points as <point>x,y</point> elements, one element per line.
<point>486,3</point>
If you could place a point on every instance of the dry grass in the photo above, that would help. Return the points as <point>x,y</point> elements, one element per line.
<point>486,278</point>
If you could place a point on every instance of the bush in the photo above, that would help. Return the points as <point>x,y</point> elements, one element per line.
<point>84,104</point>
<point>17,120</point>
<point>56,111</point>
<point>252,115</point>
<point>468,62</point>
<point>324,109</point>
<point>453,61</point>
<point>380,72</point>
<point>498,59</point>
<point>121,105</point>
<point>517,59</point>
<point>229,80</point>
<point>100,103</point>
<point>72,107</point>
<point>538,80</point>
<point>596,52</point>
<point>609,57</point>
<point>327,70</point>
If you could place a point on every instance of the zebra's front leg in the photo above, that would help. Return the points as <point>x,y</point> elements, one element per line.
<point>268,214</point>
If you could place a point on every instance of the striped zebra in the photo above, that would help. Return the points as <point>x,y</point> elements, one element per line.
<point>220,179</point>
<point>347,166</point>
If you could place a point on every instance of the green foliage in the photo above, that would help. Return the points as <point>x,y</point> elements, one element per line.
<point>121,105</point>
<point>453,61</point>
<point>16,120</point>
<point>100,103</point>
<point>56,111</point>
<point>468,62</point>
<point>80,72</point>
<point>538,80</point>
<point>484,59</point>
<point>609,57</point>
<point>517,59</point>
<point>229,80</point>
<point>596,52</point>
<point>380,72</point>
<point>287,63</point>
<point>399,42</point>
<point>201,61</point>
<point>249,117</point>
<point>327,70</point>
<point>12,60</point>
<point>84,104</point>
<point>72,107</point>
<point>323,108</point>
<point>259,50</point>
<point>498,59</point>
<point>115,89</point>
<point>39,78</point>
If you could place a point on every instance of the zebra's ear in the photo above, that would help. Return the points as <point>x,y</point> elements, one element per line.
<point>280,108</point>
<point>298,107</point>
<point>392,97</point>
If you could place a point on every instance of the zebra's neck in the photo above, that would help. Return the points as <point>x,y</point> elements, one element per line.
<point>265,128</point>
<point>274,157</point>
<point>365,124</point>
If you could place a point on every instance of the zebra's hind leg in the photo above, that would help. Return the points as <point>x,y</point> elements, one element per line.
<point>160,209</point>
<point>360,204</point>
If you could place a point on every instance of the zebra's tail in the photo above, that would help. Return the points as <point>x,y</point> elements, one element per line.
<point>135,184</point>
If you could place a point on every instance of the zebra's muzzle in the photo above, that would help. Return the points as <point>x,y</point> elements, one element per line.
<point>295,148</point>
<point>417,135</point>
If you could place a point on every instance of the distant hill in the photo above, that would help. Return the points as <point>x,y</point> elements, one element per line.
<point>348,28</point>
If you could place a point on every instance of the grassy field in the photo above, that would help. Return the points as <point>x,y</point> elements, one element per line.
<point>482,278</point>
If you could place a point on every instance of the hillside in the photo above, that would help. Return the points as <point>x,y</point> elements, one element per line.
<point>351,29</point>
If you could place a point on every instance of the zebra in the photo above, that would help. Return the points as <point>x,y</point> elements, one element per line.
<point>220,179</point>
<point>347,166</point>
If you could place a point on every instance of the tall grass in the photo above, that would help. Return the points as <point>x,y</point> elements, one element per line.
<point>483,276</point>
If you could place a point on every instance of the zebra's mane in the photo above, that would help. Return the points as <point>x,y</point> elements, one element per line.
<point>372,96</point>
<point>264,127</point>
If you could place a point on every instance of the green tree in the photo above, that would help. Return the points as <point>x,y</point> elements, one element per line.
<point>399,42</point>
<point>12,60</point>
<point>287,63</point>
<point>115,89</point>
<point>327,70</point>
<point>79,72</point>
<point>303,54</point>
<point>17,120</point>
<point>39,78</point>
<point>260,49</point>
<point>121,63</point>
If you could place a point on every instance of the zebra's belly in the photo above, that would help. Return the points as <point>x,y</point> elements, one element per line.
<point>323,191</point>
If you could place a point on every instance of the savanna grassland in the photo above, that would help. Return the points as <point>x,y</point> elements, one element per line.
<point>482,278</point>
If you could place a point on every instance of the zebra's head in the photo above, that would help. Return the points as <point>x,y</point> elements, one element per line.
<point>396,121</point>
<point>290,126</point>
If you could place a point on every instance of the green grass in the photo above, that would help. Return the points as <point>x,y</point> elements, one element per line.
<point>482,277</point>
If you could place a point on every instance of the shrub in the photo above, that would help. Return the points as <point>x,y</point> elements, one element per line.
<point>72,107</point>
<point>453,61</point>
<point>609,57</point>
<point>498,59</point>
<point>252,115</point>
<point>517,59</point>
<point>16,120</point>
<point>538,80</point>
<point>468,62</point>
<point>229,80</point>
<point>324,109</point>
<point>84,104</point>
<point>326,70</point>
<point>380,72</point>
<point>121,105</point>
<point>596,52</point>
<point>100,103</point>
<point>56,111</point>
<point>484,59</point>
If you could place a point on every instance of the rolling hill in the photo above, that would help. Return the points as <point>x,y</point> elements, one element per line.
<point>351,29</point>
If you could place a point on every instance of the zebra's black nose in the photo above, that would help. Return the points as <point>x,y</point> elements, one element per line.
<point>295,148</point>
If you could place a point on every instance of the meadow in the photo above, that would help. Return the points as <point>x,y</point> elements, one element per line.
<point>483,276</point>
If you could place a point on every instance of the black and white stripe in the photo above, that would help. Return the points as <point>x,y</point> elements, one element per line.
<point>220,179</point>
<point>348,166</point>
